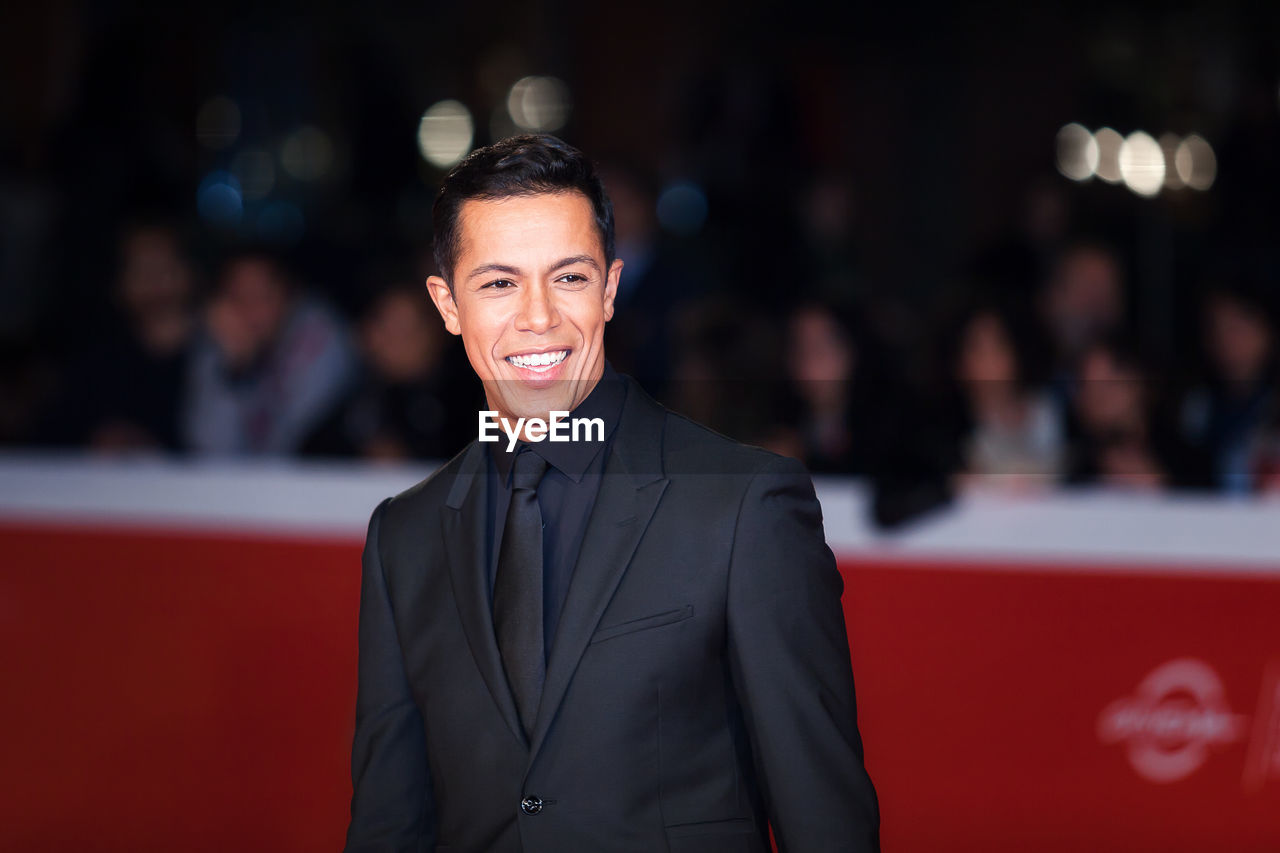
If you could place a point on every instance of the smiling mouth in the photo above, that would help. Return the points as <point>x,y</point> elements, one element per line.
<point>538,362</point>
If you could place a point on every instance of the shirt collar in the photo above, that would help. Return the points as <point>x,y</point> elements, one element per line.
<point>572,458</point>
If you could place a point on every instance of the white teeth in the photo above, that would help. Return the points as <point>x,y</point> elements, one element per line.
<point>533,361</point>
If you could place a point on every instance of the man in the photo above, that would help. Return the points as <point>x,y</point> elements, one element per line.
<point>272,363</point>
<point>628,643</point>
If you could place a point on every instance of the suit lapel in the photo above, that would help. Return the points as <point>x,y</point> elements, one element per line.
<point>464,530</point>
<point>630,490</point>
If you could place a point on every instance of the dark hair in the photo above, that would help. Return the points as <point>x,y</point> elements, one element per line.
<point>1016,324</point>
<point>526,165</point>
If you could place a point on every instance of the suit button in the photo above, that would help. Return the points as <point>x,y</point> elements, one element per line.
<point>531,804</point>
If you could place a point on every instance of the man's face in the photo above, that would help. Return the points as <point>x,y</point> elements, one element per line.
<point>261,299</point>
<point>531,295</point>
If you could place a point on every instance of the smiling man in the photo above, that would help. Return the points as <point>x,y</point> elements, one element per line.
<point>631,640</point>
<point>531,319</point>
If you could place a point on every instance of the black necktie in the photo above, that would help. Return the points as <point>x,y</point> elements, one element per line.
<point>517,589</point>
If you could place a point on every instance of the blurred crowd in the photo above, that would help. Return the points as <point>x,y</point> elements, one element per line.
<point>886,281</point>
<point>1026,379</point>
<point>244,361</point>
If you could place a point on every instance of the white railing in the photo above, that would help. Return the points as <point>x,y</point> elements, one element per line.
<point>333,500</point>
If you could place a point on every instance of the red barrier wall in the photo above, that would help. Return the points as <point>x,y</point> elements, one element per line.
<point>173,691</point>
<point>169,692</point>
<point>981,694</point>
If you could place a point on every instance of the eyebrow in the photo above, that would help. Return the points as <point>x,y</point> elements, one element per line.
<point>576,259</point>
<point>560,264</point>
<point>488,268</point>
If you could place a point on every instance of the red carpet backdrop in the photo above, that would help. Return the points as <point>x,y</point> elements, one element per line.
<point>180,671</point>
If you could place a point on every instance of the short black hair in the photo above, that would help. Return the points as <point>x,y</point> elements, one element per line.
<point>530,164</point>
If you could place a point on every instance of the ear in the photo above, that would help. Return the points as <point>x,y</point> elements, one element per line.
<point>611,288</point>
<point>442,296</point>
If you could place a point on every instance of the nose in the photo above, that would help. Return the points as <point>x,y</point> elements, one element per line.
<point>538,313</point>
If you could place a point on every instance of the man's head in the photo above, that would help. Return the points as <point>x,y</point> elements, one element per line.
<point>1084,300</point>
<point>155,275</point>
<point>253,298</point>
<point>524,244</point>
<point>401,338</point>
<point>533,164</point>
<point>1239,335</point>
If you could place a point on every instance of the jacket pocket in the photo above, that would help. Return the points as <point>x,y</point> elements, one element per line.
<point>735,826</point>
<point>643,624</point>
<point>719,836</point>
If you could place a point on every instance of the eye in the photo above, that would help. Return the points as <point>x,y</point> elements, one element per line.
<point>499,284</point>
<point>572,278</point>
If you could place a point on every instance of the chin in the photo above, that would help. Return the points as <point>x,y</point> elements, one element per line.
<point>533,403</point>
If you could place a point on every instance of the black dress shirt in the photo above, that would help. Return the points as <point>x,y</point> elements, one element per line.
<point>566,495</point>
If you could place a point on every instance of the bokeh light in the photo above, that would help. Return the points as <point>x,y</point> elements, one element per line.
<point>1196,163</point>
<point>1169,143</point>
<point>445,133</point>
<point>539,103</point>
<point>682,208</point>
<point>218,122</point>
<point>1077,152</point>
<point>307,154</point>
<point>1109,142</point>
<point>219,200</point>
<point>1141,163</point>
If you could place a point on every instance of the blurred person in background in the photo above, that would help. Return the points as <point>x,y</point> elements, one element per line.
<point>825,210</point>
<point>1010,431</point>
<point>658,280</point>
<point>822,362</point>
<point>728,375</point>
<point>1033,242</point>
<point>406,404</point>
<point>1082,302</point>
<point>271,362</point>
<point>27,382</point>
<point>123,393</point>
<point>1117,438</point>
<point>905,439</point>
<point>1267,457</point>
<point>1228,417</point>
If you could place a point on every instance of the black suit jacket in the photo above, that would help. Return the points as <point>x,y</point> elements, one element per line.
<point>698,688</point>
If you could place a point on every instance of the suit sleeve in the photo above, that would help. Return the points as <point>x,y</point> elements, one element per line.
<point>391,788</point>
<point>789,657</point>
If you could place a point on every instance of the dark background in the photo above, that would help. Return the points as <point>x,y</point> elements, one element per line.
<point>893,159</point>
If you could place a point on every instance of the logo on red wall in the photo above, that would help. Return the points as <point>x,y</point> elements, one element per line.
<point>1168,726</point>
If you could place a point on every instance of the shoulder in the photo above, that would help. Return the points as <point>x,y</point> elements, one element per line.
<point>691,448</point>
<point>429,495</point>
<point>686,447</point>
